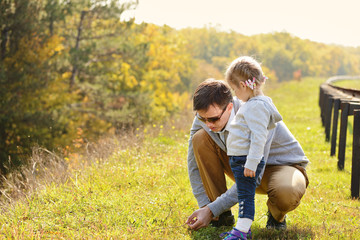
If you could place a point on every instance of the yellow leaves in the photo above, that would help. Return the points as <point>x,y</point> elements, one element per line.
<point>151,31</point>
<point>59,48</point>
<point>128,79</point>
<point>168,62</point>
<point>122,78</point>
<point>161,55</point>
<point>183,101</point>
<point>85,99</point>
<point>52,46</point>
<point>36,51</point>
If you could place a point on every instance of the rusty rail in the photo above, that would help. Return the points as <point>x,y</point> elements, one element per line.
<point>332,99</point>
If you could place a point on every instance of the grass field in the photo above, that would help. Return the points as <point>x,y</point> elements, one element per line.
<point>354,84</point>
<point>141,190</point>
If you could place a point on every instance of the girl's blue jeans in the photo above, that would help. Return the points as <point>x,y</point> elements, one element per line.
<point>245,185</point>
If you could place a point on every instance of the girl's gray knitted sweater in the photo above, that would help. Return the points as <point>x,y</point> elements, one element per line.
<point>249,129</point>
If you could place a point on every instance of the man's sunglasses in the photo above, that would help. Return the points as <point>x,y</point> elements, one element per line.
<point>212,119</point>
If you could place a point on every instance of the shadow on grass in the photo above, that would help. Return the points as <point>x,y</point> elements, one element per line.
<point>293,232</point>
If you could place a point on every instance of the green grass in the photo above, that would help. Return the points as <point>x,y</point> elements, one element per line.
<point>142,191</point>
<point>355,84</point>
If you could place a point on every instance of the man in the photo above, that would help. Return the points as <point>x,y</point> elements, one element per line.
<point>284,178</point>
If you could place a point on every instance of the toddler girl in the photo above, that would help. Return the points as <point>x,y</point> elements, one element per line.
<point>247,137</point>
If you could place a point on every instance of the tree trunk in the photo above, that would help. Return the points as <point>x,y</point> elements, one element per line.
<point>4,39</point>
<point>75,68</point>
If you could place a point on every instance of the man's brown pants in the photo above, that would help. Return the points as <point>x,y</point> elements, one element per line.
<point>284,185</point>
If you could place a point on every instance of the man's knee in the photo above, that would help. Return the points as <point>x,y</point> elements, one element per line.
<point>286,199</point>
<point>287,196</point>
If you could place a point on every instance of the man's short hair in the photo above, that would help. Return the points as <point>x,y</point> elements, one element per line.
<point>211,92</point>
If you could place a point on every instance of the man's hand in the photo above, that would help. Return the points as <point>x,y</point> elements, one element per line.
<point>249,173</point>
<point>200,218</point>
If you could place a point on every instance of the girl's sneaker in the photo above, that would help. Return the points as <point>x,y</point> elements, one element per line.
<point>235,234</point>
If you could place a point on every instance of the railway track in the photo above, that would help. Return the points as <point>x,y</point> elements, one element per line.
<point>335,101</point>
<point>352,92</point>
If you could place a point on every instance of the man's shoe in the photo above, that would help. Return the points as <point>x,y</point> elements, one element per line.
<point>225,219</point>
<point>273,224</point>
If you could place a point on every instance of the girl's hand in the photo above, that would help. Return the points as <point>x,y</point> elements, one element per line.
<point>249,173</point>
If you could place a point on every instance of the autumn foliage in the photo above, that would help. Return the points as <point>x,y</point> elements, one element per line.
<point>71,71</point>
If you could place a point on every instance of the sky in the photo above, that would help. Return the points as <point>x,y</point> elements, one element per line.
<point>326,21</point>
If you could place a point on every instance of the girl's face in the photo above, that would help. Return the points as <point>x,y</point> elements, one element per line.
<point>242,91</point>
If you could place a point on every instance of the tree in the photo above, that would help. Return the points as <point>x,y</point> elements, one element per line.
<point>25,77</point>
